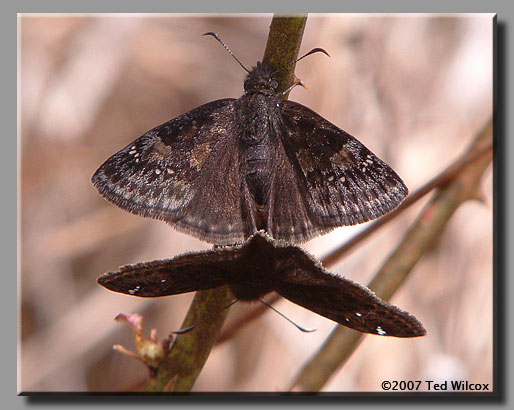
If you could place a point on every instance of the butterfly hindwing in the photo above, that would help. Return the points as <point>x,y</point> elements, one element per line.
<point>289,216</point>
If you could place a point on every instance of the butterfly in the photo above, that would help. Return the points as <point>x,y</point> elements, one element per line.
<point>231,167</point>
<point>259,266</point>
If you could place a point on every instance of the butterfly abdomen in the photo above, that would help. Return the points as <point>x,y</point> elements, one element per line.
<point>256,142</point>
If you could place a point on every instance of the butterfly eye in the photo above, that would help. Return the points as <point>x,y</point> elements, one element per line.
<point>274,84</point>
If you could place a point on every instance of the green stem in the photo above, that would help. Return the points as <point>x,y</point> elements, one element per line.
<point>425,231</point>
<point>283,46</point>
<point>189,352</point>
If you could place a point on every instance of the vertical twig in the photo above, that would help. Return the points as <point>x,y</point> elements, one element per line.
<point>190,351</point>
<point>283,46</point>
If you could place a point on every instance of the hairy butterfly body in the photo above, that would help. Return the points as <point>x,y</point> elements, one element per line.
<point>231,167</point>
<point>259,266</point>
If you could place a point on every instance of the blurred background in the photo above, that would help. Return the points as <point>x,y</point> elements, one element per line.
<point>414,89</point>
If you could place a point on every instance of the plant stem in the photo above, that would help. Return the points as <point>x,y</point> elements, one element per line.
<point>284,40</point>
<point>189,353</point>
<point>425,231</point>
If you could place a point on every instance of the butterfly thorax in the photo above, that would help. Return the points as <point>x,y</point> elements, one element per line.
<point>257,271</point>
<point>252,286</point>
<point>260,80</point>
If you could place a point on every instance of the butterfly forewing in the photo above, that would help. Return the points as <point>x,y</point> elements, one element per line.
<point>259,266</point>
<point>184,172</point>
<point>341,181</point>
<point>185,273</point>
<point>231,167</point>
<point>344,301</point>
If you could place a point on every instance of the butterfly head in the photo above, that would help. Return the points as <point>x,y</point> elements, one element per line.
<point>259,80</point>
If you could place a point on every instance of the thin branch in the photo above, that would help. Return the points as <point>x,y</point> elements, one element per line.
<point>443,178</point>
<point>189,353</point>
<point>282,48</point>
<point>426,230</point>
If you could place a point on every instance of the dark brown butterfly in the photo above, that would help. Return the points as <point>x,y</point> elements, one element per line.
<point>231,167</point>
<point>262,265</point>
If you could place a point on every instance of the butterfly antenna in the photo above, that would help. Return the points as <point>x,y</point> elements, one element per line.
<point>289,320</point>
<point>314,50</point>
<point>299,82</point>
<point>210,33</point>
<point>188,329</point>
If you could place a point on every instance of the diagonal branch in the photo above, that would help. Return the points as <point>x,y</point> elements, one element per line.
<point>423,233</point>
